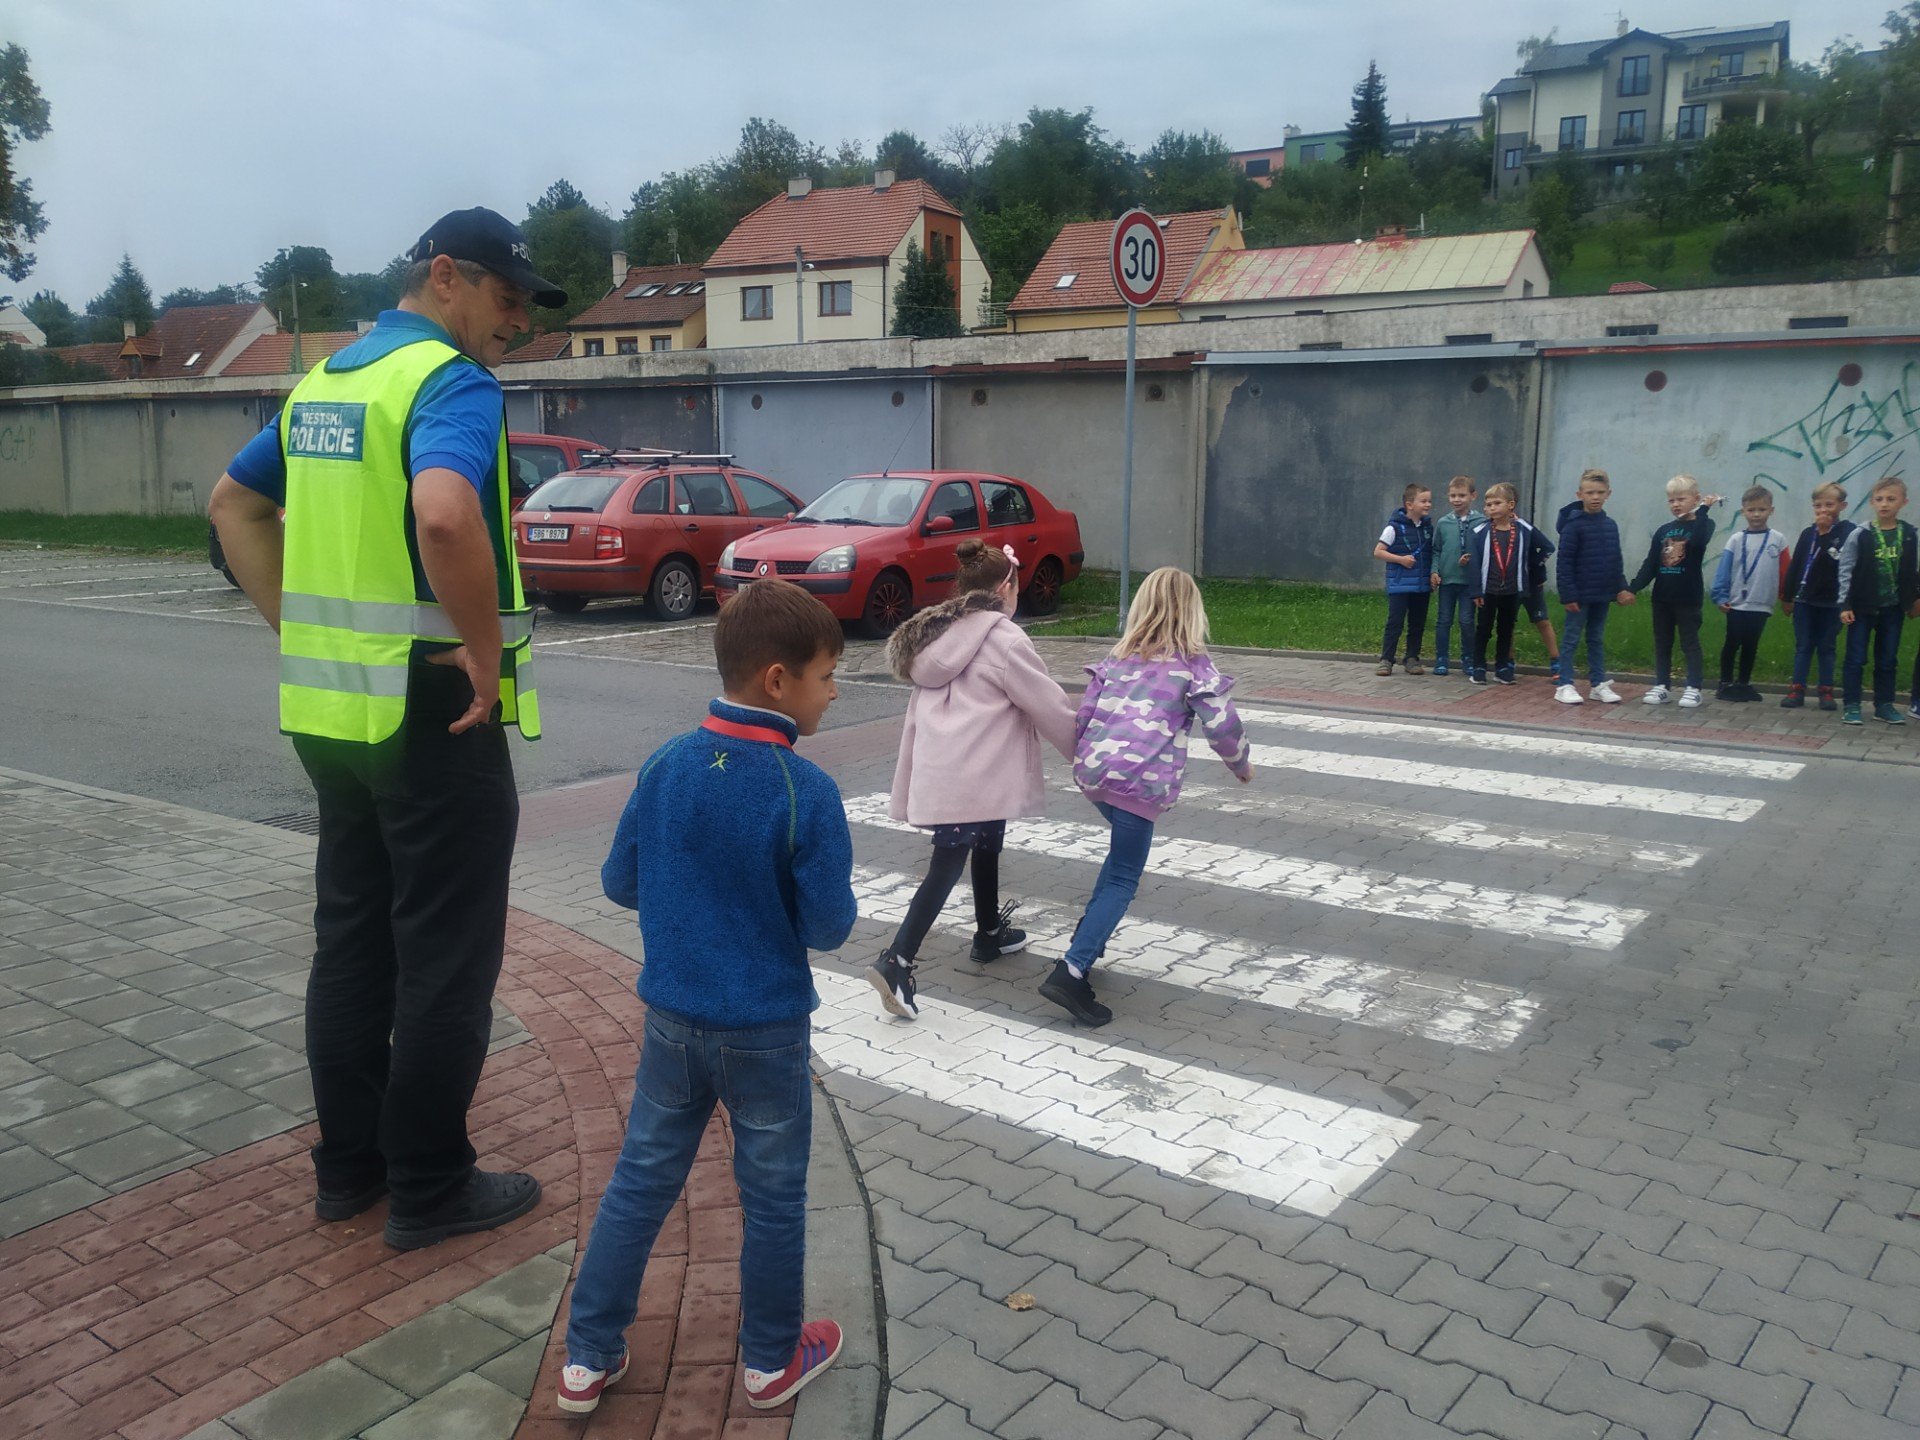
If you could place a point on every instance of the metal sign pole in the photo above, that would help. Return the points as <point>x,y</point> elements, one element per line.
<point>1126,476</point>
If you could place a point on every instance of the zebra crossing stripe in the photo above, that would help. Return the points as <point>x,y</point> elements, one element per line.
<point>1509,784</point>
<point>1094,1090</point>
<point>1644,757</point>
<point>1409,897</point>
<point>1444,1008</point>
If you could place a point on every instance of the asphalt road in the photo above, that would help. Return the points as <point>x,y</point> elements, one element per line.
<point>151,678</point>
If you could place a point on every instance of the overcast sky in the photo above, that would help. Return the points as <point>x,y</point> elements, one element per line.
<point>202,136</point>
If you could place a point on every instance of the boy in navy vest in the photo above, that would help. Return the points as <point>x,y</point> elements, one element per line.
<point>1406,545</point>
<point>735,852</point>
<point>1885,585</point>
<point>1818,585</point>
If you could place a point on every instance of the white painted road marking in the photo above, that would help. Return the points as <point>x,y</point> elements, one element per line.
<point>1410,897</point>
<point>1509,742</point>
<point>1436,1006</point>
<point>1093,1090</point>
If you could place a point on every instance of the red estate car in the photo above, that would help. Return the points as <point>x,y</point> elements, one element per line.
<point>533,459</point>
<point>639,524</point>
<point>875,548</point>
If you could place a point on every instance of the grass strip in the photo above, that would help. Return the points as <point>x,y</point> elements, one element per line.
<point>143,534</point>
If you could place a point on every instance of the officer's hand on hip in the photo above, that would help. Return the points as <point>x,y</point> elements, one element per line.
<point>486,687</point>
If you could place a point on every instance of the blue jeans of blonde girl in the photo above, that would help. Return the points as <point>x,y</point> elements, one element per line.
<point>1588,622</point>
<point>1881,627</point>
<point>1815,629</point>
<point>1453,601</point>
<point>760,1075</point>
<point>1114,889</point>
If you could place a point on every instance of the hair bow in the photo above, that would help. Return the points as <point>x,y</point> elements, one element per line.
<point>1012,559</point>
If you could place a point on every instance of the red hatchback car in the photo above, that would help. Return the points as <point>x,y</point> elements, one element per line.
<point>875,548</point>
<point>636,524</point>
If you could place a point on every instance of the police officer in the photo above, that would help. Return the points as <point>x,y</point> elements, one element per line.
<point>404,638</point>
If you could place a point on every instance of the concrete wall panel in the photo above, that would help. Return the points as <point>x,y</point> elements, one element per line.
<point>809,435</point>
<point>195,439</point>
<point>1065,433</point>
<point>32,468</point>
<point>1788,419</point>
<point>1306,461</point>
<point>668,417</point>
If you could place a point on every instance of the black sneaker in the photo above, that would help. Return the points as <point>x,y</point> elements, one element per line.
<point>333,1206</point>
<point>1003,939</point>
<point>487,1200</point>
<point>1724,691</point>
<point>1074,994</point>
<point>1503,675</point>
<point>1748,694</point>
<point>893,978</point>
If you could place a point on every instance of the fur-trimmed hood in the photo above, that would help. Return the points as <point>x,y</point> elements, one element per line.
<point>934,646</point>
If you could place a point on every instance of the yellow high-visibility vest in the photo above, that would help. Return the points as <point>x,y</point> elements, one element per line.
<point>354,597</point>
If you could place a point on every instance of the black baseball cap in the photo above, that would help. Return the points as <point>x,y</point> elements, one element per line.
<point>487,238</point>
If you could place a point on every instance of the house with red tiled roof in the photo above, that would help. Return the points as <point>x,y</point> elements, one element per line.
<point>821,264</point>
<point>1072,286</point>
<point>1389,270</point>
<point>649,307</point>
<point>548,345</point>
<point>186,341</point>
<point>272,354</point>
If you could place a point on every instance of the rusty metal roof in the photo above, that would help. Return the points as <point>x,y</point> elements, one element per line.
<point>1377,267</point>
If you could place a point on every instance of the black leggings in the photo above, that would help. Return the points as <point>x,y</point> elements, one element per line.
<point>1742,644</point>
<point>943,873</point>
<point>1498,613</point>
<point>1671,622</point>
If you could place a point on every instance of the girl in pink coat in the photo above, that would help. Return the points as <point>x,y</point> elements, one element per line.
<point>970,757</point>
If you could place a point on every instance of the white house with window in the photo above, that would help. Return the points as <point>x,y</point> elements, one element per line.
<point>647,308</point>
<point>822,264</point>
<point>1615,103</point>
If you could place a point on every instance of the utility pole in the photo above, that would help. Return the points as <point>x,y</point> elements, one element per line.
<point>293,286</point>
<point>799,297</point>
<point>1896,200</point>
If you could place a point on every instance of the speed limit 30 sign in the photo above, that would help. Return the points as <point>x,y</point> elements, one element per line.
<point>1139,257</point>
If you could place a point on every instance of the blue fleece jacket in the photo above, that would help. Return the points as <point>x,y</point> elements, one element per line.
<point>1590,567</point>
<point>735,851</point>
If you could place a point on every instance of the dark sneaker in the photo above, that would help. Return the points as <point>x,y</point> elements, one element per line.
<point>990,945</point>
<point>1476,676</point>
<point>1413,666</point>
<point>1503,675</point>
<point>1074,994</point>
<point>819,1343</point>
<point>1890,713</point>
<point>1385,667</point>
<point>487,1200</point>
<point>333,1206</point>
<point>893,978</point>
<point>581,1385</point>
<point>1795,697</point>
<point>1746,694</point>
<point>1724,691</point>
<point>1827,702</point>
<point>1439,664</point>
<point>1851,716</point>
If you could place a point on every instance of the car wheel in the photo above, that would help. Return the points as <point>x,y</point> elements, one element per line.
<point>889,602</point>
<point>1042,595</point>
<point>675,590</point>
<point>563,604</point>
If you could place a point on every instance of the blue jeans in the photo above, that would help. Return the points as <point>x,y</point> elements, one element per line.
<point>1590,622</point>
<point>1882,627</point>
<point>760,1075</point>
<point>1453,600</point>
<point>1406,608</point>
<point>1113,891</point>
<point>1815,629</point>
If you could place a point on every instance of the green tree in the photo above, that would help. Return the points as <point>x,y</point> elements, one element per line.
<point>321,303</point>
<point>21,366</point>
<point>126,297</point>
<point>1012,239</point>
<point>1529,48</point>
<point>365,293</point>
<point>1834,96</point>
<point>1064,165</point>
<point>241,294</point>
<point>571,243</point>
<point>1555,224</point>
<point>924,301</point>
<point>681,217</point>
<point>1899,107</point>
<point>54,316</point>
<point>911,158</point>
<point>23,118</point>
<point>1576,178</point>
<point>1192,171</point>
<point>1665,187</point>
<point>1742,170</point>
<point>1367,131</point>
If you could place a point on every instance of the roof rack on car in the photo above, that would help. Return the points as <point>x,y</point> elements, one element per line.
<point>648,456</point>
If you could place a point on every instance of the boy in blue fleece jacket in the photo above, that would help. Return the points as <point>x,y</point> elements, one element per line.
<point>735,851</point>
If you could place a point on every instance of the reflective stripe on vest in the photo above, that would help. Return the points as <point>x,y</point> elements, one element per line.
<point>353,605</point>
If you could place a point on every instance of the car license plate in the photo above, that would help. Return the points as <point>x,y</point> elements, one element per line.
<point>548,532</point>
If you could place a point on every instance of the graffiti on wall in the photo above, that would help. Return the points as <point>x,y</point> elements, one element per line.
<point>16,443</point>
<point>1851,437</point>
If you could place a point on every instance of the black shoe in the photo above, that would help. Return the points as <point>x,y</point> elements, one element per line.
<point>333,1206</point>
<point>1724,691</point>
<point>990,945</point>
<point>485,1201</point>
<point>1748,694</point>
<point>1074,995</point>
<point>893,978</point>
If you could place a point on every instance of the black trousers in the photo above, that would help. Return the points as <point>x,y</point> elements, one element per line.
<point>1741,645</point>
<point>1408,607</point>
<point>410,917</point>
<point>1671,622</point>
<point>1496,615</point>
<point>952,847</point>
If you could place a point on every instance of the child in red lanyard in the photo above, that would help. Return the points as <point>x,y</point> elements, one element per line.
<point>1509,559</point>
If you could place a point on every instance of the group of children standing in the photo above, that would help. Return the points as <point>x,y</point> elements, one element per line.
<point>1487,567</point>
<point>736,853</point>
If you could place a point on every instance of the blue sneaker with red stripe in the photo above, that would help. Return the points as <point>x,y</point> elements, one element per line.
<point>819,1344</point>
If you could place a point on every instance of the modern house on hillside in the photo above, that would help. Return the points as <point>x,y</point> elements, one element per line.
<point>821,264</point>
<point>1614,102</point>
<point>1072,286</point>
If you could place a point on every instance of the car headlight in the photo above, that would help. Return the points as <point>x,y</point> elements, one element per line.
<point>726,557</point>
<point>836,561</point>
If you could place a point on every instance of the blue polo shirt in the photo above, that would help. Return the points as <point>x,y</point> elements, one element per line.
<point>455,423</point>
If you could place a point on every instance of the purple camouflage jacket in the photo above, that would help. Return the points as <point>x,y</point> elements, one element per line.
<point>1132,728</point>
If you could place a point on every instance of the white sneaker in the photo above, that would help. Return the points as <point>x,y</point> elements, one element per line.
<point>1690,698</point>
<point>1569,695</point>
<point>1606,694</point>
<point>1656,695</point>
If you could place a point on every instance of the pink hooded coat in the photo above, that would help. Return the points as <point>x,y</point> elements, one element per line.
<point>982,702</point>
